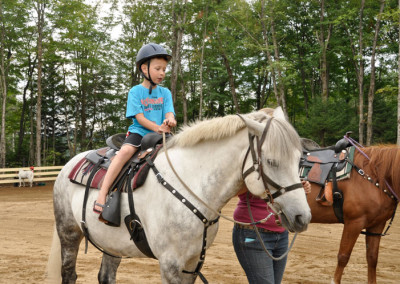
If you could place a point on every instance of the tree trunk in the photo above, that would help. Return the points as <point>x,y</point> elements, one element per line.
<point>359,70</point>
<point>3,90</point>
<point>203,42</point>
<point>277,62</point>
<point>31,68</point>
<point>268,54</point>
<point>178,23</point>
<point>31,160</point>
<point>324,46</point>
<point>360,77</point>
<point>398,86</point>
<point>40,23</point>
<point>371,91</point>
<point>183,97</point>
<point>230,76</point>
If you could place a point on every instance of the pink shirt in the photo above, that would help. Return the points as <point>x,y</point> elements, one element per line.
<point>259,210</point>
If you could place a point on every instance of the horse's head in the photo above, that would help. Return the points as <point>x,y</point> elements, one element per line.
<point>270,168</point>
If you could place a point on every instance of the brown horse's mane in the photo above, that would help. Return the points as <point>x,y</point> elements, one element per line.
<point>383,165</point>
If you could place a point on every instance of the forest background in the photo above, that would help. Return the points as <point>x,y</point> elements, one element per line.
<point>66,67</point>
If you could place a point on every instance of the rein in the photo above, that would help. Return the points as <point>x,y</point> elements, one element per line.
<point>198,198</point>
<point>259,236</point>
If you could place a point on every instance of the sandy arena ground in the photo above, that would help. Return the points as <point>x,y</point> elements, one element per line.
<point>27,225</point>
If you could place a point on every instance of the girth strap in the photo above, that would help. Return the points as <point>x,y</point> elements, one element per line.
<point>141,244</point>
<point>84,227</point>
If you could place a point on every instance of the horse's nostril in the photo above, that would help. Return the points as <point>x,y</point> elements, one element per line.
<point>300,219</point>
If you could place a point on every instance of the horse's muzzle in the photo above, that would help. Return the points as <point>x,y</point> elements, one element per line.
<point>296,223</point>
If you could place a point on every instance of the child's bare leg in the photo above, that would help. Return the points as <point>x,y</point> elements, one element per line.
<point>116,165</point>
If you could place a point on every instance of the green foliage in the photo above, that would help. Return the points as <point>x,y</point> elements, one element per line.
<point>328,121</point>
<point>88,69</point>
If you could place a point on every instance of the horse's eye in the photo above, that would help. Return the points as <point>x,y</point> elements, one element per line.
<point>272,162</point>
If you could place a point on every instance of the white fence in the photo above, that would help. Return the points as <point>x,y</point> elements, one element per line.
<point>10,175</point>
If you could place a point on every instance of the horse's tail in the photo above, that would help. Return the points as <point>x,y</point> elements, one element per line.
<point>53,271</point>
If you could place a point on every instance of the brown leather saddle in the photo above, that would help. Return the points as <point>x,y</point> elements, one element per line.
<point>324,166</point>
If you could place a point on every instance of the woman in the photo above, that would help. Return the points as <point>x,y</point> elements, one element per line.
<point>257,265</point>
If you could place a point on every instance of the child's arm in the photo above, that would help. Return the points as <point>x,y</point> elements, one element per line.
<point>152,125</point>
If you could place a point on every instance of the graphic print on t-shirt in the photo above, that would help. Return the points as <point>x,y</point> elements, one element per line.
<point>150,104</point>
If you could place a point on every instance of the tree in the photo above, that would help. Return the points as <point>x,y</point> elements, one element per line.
<point>40,10</point>
<point>371,91</point>
<point>398,82</point>
<point>358,56</point>
<point>324,42</point>
<point>3,87</point>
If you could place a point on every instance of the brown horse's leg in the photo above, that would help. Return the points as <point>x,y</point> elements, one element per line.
<point>349,237</point>
<point>372,243</point>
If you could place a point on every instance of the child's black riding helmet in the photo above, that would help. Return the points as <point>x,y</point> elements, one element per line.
<point>147,52</point>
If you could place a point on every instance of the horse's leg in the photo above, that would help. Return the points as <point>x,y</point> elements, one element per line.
<point>108,269</point>
<point>349,237</point>
<point>70,237</point>
<point>171,273</point>
<point>70,240</point>
<point>372,247</point>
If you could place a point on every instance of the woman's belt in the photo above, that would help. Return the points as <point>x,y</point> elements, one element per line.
<point>251,227</point>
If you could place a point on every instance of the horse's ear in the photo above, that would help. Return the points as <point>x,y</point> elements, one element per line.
<point>254,127</point>
<point>278,113</point>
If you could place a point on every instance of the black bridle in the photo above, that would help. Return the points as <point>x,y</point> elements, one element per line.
<point>258,167</point>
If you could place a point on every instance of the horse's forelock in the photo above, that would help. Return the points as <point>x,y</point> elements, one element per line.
<point>282,141</point>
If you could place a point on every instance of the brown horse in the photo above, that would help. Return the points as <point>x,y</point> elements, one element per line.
<point>366,206</point>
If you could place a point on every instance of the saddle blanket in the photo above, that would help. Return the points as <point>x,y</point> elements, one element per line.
<point>83,169</point>
<point>340,175</point>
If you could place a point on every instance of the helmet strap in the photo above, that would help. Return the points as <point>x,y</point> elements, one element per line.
<point>152,84</point>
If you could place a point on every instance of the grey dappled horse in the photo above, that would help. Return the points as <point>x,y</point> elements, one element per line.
<point>208,156</point>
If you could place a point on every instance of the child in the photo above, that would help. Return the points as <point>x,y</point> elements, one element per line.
<point>150,107</point>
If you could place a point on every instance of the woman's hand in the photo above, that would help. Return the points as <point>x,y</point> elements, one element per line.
<point>306,186</point>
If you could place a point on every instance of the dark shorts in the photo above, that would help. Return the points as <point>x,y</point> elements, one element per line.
<point>133,139</point>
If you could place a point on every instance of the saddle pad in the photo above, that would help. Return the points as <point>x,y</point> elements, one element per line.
<point>81,172</point>
<point>340,175</point>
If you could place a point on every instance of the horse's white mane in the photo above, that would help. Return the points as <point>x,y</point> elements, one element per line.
<point>211,129</point>
<point>284,137</point>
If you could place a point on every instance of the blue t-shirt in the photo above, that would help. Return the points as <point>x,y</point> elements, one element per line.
<point>154,106</point>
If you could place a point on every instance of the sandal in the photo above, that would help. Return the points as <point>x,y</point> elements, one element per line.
<point>96,210</point>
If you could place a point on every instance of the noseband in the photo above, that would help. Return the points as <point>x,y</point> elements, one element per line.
<point>258,167</point>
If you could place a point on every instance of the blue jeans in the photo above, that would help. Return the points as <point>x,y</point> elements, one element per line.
<point>257,265</point>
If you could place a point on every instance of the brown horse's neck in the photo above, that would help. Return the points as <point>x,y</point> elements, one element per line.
<point>381,167</point>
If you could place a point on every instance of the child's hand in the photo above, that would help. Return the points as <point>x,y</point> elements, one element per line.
<point>170,122</point>
<point>164,128</point>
